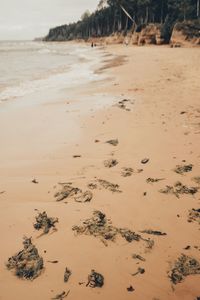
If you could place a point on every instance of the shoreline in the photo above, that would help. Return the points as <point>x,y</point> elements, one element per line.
<point>153,127</point>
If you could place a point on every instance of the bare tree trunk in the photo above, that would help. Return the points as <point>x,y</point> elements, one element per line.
<point>126,27</point>
<point>161,17</point>
<point>147,15</point>
<point>114,22</point>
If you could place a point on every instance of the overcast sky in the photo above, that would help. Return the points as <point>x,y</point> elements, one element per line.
<point>26,19</point>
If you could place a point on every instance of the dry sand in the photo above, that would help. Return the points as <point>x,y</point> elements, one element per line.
<point>39,141</point>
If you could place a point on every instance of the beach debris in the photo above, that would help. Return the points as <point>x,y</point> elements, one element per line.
<point>109,186</point>
<point>154,232</point>
<point>144,161</point>
<point>139,271</point>
<point>113,142</point>
<point>194,215</point>
<point>95,280</point>
<point>130,289</point>
<point>61,296</point>
<point>179,189</point>
<point>27,263</point>
<point>145,193</point>
<point>101,183</point>
<point>67,274</point>
<point>35,181</point>
<point>139,257</point>
<point>181,169</point>
<point>2,192</point>
<point>123,104</point>
<point>187,247</point>
<point>196,179</point>
<point>68,191</point>
<point>83,197</point>
<point>98,226</point>
<point>150,243</point>
<point>92,186</point>
<point>44,222</point>
<point>110,163</point>
<point>129,235</point>
<point>127,172</point>
<point>152,180</point>
<point>52,261</point>
<point>76,156</point>
<point>184,266</point>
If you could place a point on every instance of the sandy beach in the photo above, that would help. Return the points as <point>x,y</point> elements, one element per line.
<point>146,98</point>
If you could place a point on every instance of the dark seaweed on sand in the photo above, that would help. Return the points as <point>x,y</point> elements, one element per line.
<point>27,263</point>
<point>183,267</point>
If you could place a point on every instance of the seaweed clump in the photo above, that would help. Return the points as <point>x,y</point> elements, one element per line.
<point>183,169</point>
<point>44,222</point>
<point>194,215</point>
<point>68,191</point>
<point>101,183</point>
<point>110,163</point>
<point>27,263</point>
<point>183,267</point>
<point>67,274</point>
<point>98,226</point>
<point>95,280</point>
<point>126,172</point>
<point>179,189</point>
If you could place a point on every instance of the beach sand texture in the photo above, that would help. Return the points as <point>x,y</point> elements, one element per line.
<point>154,113</point>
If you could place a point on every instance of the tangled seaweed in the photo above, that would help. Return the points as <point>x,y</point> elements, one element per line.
<point>44,222</point>
<point>179,189</point>
<point>194,215</point>
<point>67,274</point>
<point>98,226</point>
<point>101,183</point>
<point>110,163</point>
<point>27,263</point>
<point>68,191</point>
<point>95,280</point>
<point>181,169</point>
<point>127,172</point>
<point>184,266</point>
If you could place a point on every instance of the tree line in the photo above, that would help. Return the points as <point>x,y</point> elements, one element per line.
<point>113,16</point>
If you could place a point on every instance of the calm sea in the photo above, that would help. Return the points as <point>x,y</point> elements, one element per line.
<point>28,67</point>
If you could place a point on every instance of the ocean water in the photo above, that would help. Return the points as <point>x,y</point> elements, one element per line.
<point>28,67</point>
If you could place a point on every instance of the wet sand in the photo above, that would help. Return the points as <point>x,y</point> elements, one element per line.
<point>161,122</point>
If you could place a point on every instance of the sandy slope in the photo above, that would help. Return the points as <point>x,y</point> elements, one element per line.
<point>161,82</point>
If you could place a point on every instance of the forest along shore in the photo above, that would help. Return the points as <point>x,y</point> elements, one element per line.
<point>115,214</point>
